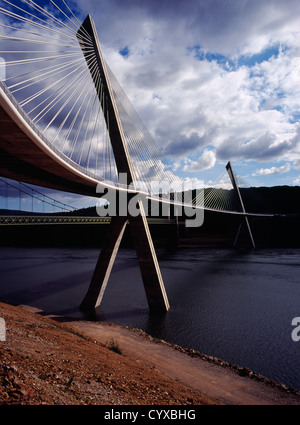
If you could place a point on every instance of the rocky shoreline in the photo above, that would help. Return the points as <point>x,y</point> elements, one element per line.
<point>240,370</point>
<point>53,361</point>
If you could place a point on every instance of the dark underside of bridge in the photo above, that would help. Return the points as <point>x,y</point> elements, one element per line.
<point>22,160</point>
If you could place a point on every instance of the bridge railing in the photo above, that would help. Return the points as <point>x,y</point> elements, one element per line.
<point>48,219</point>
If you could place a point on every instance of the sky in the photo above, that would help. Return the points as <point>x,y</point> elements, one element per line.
<point>213,80</point>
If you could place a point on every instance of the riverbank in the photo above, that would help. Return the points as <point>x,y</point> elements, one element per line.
<point>58,361</point>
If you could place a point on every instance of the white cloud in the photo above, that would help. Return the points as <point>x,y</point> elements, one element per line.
<point>240,112</point>
<point>296,164</point>
<point>205,161</point>
<point>296,182</point>
<point>189,183</point>
<point>273,170</point>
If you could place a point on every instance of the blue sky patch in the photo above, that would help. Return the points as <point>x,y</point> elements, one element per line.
<point>124,52</point>
<point>295,118</point>
<point>233,64</point>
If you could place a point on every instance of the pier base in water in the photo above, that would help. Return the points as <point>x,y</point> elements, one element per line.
<point>151,275</point>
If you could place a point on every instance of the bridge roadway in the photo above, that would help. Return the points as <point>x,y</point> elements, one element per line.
<point>27,156</point>
<point>40,220</point>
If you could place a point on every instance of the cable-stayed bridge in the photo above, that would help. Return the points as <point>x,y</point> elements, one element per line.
<point>67,124</point>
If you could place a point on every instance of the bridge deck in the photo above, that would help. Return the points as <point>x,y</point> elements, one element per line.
<point>24,156</point>
<point>38,220</point>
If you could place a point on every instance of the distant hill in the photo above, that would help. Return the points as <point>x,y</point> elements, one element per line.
<point>218,229</point>
<point>276,199</point>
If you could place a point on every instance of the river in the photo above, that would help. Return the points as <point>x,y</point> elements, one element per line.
<point>232,305</point>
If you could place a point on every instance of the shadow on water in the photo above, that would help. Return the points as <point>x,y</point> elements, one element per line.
<point>204,267</point>
<point>156,323</point>
<point>155,319</point>
<point>187,289</point>
<point>22,294</point>
<point>153,322</point>
<point>42,290</point>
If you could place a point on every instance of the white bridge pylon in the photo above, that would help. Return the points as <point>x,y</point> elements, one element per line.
<point>150,270</point>
<point>245,218</point>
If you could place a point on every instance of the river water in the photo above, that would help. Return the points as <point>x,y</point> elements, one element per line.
<point>235,306</point>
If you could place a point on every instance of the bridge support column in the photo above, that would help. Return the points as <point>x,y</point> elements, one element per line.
<point>151,275</point>
<point>245,218</point>
<point>152,279</point>
<point>104,264</point>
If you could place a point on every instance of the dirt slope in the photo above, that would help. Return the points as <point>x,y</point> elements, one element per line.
<point>44,361</point>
